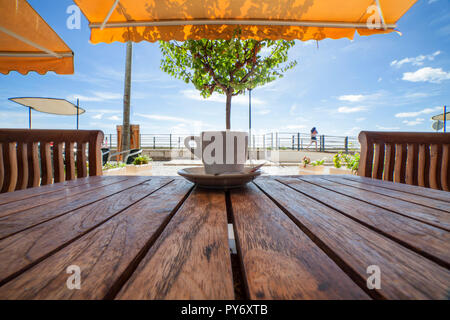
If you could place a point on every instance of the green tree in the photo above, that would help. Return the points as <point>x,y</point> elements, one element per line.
<point>228,67</point>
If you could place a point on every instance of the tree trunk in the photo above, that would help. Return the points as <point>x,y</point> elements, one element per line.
<point>126,100</point>
<point>228,111</point>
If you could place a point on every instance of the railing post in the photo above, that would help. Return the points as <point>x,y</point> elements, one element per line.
<point>110,140</point>
<point>170,141</point>
<point>271,140</point>
<point>293,142</point>
<point>298,141</point>
<point>346,144</point>
<point>264,141</point>
<point>154,142</point>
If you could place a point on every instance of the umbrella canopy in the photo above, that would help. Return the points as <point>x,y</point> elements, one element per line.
<point>152,20</point>
<point>27,43</point>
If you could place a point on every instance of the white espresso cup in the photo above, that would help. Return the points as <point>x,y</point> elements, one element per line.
<point>220,151</point>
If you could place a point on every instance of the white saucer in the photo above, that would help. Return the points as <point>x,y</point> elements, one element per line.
<point>221,181</point>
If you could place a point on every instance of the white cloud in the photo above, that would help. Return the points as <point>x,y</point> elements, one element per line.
<point>427,74</point>
<point>413,122</point>
<point>351,109</point>
<point>360,119</point>
<point>417,113</point>
<point>98,116</point>
<point>387,128</point>
<point>114,118</point>
<point>352,97</point>
<point>416,61</point>
<point>96,96</point>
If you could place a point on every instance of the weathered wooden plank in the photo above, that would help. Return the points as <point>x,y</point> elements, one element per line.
<point>25,219</point>
<point>279,260</point>
<point>431,242</point>
<point>425,192</point>
<point>404,273</point>
<point>190,259</point>
<point>428,215</point>
<point>32,245</point>
<point>31,192</point>
<point>22,166</point>
<point>46,199</point>
<point>417,199</point>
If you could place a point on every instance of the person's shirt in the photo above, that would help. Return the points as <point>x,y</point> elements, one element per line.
<point>314,134</point>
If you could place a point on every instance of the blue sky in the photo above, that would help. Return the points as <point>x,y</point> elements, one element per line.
<point>382,82</point>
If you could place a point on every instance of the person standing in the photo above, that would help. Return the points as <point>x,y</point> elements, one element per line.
<point>314,134</point>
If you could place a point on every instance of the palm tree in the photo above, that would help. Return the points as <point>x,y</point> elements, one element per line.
<point>126,100</point>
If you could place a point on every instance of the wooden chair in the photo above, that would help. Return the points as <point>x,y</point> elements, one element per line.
<point>27,158</point>
<point>416,158</point>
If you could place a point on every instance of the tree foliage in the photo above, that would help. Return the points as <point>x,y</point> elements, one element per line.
<point>228,67</point>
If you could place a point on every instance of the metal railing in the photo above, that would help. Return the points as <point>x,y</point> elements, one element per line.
<point>270,141</point>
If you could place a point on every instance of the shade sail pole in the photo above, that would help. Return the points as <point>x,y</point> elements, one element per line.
<point>445,118</point>
<point>31,43</point>
<point>78,111</point>
<point>109,14</point>
<point>29,117</point>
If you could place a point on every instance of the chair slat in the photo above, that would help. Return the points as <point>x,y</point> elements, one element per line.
<point>435,168</point>
<point>34,171</point>
<point>10,166</point>
<point>81,160</point>
<point>46,163</point>
<point>58,162</point>
<point>411,164</point>
<point>424,165</point>
<point>69,160</point>
<point>365,162</point>
<point>22,166</point>
<point>389,161</point>
<point>95,156</point>
<point>2,170</point>
<point>400,163</point>
<point>378,161</point>
<point>445,168</point>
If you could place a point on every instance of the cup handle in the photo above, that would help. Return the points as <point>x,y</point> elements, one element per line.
<point>197,151</point>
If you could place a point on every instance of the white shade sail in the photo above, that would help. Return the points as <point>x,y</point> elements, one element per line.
<point>49,105</point>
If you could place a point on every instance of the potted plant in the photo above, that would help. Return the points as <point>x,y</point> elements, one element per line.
<point>345,163</point>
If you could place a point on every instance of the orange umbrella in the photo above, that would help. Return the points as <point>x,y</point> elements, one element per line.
<point>152,20</point>
<point>27,43</point>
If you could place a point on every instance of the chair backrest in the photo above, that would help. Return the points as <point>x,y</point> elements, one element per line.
<point>417,158</point>
<point>133,154</point>
<point>30,158</point>
<point>106,153</point>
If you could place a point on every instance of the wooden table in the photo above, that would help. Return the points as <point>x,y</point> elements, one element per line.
<point>305,237</point>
